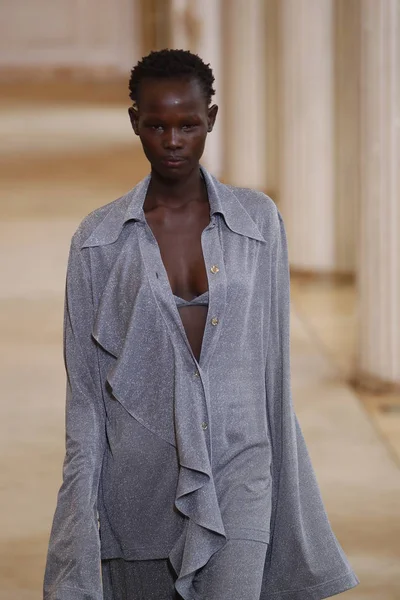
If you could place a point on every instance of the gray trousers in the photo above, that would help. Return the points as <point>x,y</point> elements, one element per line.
<point>233,573</point>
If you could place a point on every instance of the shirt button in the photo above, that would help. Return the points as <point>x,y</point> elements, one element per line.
<point>204,425</point>
<point>214,269</point>
<point>196,374</point>
<point>214,321</point>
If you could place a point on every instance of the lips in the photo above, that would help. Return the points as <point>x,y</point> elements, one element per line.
<point>173,161</point>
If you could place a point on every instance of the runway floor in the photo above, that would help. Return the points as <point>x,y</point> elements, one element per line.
<point>61,155</point>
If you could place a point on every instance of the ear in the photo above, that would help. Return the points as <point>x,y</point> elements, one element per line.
<point>134,118</point>
<point>212,115</point>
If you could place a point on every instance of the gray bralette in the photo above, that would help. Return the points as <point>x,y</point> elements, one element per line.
<point>201,300</point>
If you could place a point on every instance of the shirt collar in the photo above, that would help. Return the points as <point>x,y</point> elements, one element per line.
<point>130,207</point>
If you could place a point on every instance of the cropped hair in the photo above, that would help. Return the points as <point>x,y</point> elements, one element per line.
<point>172,64</point>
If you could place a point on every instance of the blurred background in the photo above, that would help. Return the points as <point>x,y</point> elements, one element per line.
<point>309,95</point>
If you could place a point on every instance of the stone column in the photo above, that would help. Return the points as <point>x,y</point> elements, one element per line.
<point>272,107</point>
<point>307,133</point>
<point>244,91</point>
<point>209,47</point>
<point>379,261</point>
<point>183,24</point>
<point>347,132</point>
<point>196,26</point>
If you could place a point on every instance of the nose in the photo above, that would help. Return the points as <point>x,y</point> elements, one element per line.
<point>172,139</point>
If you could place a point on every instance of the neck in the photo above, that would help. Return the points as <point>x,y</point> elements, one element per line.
<point>184,190</point>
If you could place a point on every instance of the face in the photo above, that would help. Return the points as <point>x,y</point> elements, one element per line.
<point>172,121</point>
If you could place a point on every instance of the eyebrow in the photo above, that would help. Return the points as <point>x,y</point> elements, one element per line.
<point>149,116</point>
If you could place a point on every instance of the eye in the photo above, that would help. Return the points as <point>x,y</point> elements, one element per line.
<point>156,127</point>
<point>189,126</point>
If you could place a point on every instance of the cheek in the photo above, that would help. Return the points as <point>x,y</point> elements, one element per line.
<point>149,145</point>
<point>198,143</point>
<point>200,148</point>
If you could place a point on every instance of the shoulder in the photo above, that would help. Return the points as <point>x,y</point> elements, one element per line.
<point>260,207</point>
<point>108,216</point>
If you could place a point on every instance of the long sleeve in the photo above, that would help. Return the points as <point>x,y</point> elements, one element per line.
<point>73,562</point>
<point>304,559</point>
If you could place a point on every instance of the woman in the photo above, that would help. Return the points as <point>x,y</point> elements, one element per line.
<point>186,474</point>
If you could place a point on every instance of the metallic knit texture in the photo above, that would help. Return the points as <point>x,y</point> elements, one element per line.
<point>176,456</point>
<point>235,570</point>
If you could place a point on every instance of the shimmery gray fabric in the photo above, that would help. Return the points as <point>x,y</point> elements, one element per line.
<point>179,456</point>
<point>139,580</point>
<point>234,571</point>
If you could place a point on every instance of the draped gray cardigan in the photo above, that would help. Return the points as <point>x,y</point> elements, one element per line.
<point>167,456</point>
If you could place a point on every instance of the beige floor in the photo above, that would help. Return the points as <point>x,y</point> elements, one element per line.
<point>61,159</point>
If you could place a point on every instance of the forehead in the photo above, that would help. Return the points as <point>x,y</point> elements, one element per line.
<point>167,94</point>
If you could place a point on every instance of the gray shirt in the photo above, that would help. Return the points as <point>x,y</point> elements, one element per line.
<point>176,456</point>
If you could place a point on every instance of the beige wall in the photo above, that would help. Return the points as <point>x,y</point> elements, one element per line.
<point>99,35</point>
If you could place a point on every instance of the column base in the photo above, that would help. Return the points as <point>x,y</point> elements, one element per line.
<point>313,275</point>
<point>365,383</point>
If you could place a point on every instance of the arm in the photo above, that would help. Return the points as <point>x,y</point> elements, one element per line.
<point>304,557</point>
<point>73,561</point>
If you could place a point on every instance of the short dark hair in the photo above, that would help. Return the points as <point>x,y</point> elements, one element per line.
<point>171,64</point>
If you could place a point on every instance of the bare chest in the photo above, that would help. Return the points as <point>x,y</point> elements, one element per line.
<point>179,241</point>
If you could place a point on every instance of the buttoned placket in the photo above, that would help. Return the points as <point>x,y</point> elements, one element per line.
<point>158,278</point>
